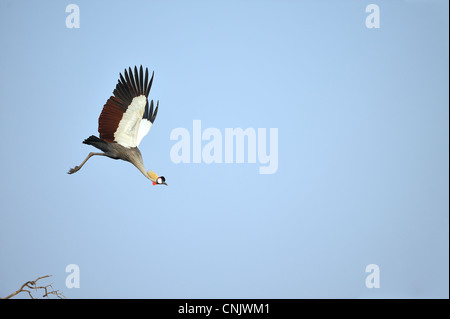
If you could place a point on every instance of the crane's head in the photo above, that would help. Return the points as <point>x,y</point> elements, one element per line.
<point>157,180</point>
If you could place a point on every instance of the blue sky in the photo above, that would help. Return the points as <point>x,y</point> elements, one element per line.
<point>363,157</point>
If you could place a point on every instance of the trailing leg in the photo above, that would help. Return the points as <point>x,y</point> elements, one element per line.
<point>77,168</point>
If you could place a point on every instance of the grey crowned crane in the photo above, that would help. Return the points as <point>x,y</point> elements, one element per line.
<point>125,119</point>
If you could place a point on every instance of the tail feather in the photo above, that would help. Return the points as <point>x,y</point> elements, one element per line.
<point>96,142</point>
<point>93,139</point>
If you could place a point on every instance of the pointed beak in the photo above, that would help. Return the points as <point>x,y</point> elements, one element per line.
<point>164,183</point>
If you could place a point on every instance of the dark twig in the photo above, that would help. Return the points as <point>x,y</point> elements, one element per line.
<point>32,285</point>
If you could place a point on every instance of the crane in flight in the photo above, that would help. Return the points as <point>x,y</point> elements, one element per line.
<point>124,121</point>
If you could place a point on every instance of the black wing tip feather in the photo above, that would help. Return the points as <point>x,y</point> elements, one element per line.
<point>133,83</point>
<point>153,116</point>
<point>147,92</point>
<point>149,114</point>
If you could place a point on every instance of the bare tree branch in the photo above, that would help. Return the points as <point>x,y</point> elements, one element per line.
<point>33,286</point>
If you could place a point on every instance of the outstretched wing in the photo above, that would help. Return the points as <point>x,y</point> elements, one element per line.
<point>123,113</point>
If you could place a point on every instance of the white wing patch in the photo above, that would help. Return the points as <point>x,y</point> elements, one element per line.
<point>127,131</point>
<point>144,128</point>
